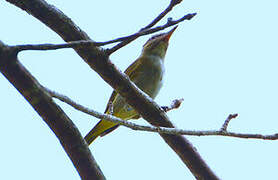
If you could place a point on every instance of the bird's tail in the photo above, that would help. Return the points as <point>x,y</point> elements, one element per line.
<point>90,137</point>
<point>101,127</point>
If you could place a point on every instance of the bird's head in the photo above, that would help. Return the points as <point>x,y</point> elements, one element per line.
<point>157,45</point>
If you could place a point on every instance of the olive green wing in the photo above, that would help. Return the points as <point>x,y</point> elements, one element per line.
<point>134,69</point>
<point>131,73</point>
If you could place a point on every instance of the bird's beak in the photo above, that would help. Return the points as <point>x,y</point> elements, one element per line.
<point>169,34</point>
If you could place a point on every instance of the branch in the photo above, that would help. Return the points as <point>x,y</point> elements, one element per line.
<point>227,121</point>
<point>52,114</point>
<point>86,43</point>
<point>161,15</point>
<point>74,44</point>
<point>174,105</point>
<point>164,130</point>
<point>109,117</point>
<point>130,38</point>
<point>124,40</point>
<point>99,61</point>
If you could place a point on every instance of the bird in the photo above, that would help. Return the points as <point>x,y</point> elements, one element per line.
<point>147,73</point>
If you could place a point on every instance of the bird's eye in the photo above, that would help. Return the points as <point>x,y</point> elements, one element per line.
<point>155,36</point>
<point>152,38</point>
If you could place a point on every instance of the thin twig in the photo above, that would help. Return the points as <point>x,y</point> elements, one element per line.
<point>158,129</point>
<point>174,105</point>
<point>227,121</point>
<point>48,46</point>
<point>132,37</point>
<point>162,14</point>
<point>89,111</point>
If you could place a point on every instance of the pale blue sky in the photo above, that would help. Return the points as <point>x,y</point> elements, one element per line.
<point>222,61</point>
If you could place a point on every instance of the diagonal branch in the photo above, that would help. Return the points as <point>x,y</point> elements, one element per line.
<point>97,59</point>
<point>52,114</point>
<point>172,4</point>
<point>156,20</point>
<point>130,38</point>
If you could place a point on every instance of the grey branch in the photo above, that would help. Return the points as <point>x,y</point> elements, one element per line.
<point>164,130</point>
<point>73,44</point>
<point>84,43</point>
<point>174,105</point>
<point>227,121</point>
<point>161,15</point>
<point>65,130</point>
<point>127,39</point>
